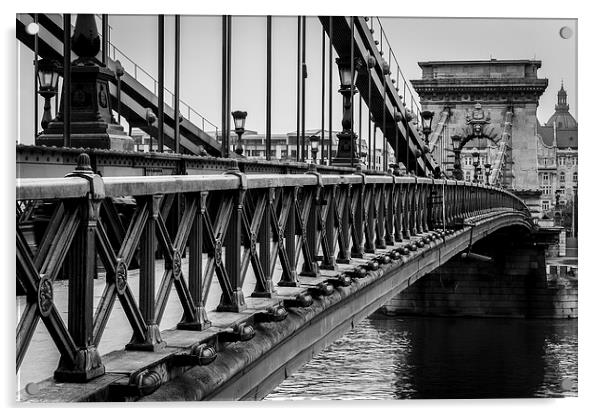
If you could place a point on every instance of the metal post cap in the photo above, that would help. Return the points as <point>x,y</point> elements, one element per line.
<point>83,164</point>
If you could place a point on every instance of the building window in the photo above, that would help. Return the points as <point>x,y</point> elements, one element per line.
<point>575,160</point>
<point>545,205</point>
<point>561,177</point>
<point>574,176</point>
<point>546,190</point>
<point>468,161</point>
<point>561,160</point>
<point>467,176</point>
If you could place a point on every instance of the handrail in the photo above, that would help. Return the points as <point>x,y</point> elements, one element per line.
<point>74,187</point>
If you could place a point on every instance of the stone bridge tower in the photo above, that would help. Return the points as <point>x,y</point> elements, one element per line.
<point>458,87</point>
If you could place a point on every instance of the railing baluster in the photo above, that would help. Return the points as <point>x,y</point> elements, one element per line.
<point>195,269</point>
<point>264,250</point>
<point>328,258</point>
<point>397,212</point>
<point>370,218</point>
<point>148,244</point>
<point>343,203</point>
<point>389,215</point>
<point>419,208</point>
<point>80,268</point>
<point>380,217</point>
<point>358,219</point>
<point>289,277</point>
<point>235,301</point>
<point>311,233</point>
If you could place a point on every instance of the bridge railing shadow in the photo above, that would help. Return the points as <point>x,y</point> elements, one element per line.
<point>225,224</point>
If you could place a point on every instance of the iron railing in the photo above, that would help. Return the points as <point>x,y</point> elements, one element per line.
<point>223,224</point>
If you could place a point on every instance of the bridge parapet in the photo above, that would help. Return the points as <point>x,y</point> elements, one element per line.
<point>224,224</point>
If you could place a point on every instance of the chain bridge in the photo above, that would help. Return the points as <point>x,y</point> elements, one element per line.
<point>230,273</point>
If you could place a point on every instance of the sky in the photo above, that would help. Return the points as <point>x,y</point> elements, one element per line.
<point>412,39</point>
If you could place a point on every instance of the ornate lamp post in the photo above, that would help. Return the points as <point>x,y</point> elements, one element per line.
<point>91,123</point>
<point>427,121</point>
<point>314,142</point>
<point>346,150</point>
<point>48,80</point>
<point>239,128</point>
<point>487,172</point>
<point>475,163</point>
<point>456,143</point>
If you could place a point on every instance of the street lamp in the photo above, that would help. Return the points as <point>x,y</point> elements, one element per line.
<point>48,80</point>
<point>346,150</point>
<point>119,71</point>
<point>475,163</point>
<point>427,121</point>
<point>151,118</point>
<point>314,142</point>
<point>456,143</point>
<point>487,172</point>
<point>239,128</point>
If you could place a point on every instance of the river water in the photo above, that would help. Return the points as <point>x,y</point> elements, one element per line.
<point>385,357</point>
<point>446,358</point>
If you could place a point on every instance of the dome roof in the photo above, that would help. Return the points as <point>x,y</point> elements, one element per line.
<point>564,120</point>
<point>561,117</point>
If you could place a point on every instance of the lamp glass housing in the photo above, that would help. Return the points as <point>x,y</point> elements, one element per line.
<point>48,75</point>
<point>456,140</point>
<point>427,120</point>
<point>345,74</point>
<point>239,120</point>
<point>314,142</point>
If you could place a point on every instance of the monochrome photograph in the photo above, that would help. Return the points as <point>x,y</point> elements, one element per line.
<point>294,207</point>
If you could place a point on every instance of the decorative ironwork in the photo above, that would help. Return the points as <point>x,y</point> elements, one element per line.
<point>300,219</point>
<point>45,296</point>
<point>217,252</point>
<point>121,276</point>
<point>177,264</point>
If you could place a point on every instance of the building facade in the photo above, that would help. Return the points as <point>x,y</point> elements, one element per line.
<point>501,97</point>
<point>557,164</point>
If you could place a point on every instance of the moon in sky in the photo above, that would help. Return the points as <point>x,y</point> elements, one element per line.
<point>32,28</point>
<point>566,32</point>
